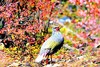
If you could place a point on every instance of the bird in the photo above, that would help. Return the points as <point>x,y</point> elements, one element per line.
<point>51,45</point>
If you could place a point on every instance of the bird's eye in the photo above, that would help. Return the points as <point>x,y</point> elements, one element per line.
<point>57,28</point>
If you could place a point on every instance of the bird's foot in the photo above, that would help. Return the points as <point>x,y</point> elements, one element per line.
<point>47,61</point>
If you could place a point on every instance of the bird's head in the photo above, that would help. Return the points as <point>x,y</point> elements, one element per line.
<point>56,28</point>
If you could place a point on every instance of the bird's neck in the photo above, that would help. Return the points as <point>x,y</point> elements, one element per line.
<point>57,32</point>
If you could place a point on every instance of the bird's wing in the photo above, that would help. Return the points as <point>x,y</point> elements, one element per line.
<point>52,42</point>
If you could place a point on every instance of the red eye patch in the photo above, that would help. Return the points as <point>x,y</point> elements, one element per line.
<point>57,28</point>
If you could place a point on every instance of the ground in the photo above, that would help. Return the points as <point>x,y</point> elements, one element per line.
<point>63,58</point>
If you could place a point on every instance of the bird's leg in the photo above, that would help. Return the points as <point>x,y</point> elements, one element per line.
<point>47,60</point>
<point>51,59</point>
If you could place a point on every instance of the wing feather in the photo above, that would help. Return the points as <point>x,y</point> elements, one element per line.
<point>52,42</point>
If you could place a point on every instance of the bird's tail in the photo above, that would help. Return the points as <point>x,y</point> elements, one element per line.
<point>42,55</point>
<point>39,58</point>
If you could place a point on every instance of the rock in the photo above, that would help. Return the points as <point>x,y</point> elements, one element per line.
<point>14,64</point>
<point>49,65</point>
<point>57,65</point>
<point>53,65</point>
<point>80,57</point>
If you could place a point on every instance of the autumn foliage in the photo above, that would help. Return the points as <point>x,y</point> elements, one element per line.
<point>26,24</point>
<point>26,19</point>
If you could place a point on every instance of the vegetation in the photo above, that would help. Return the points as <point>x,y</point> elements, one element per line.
<point>27,24</point>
